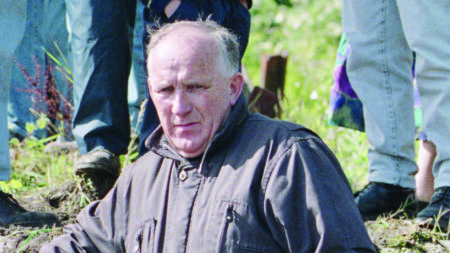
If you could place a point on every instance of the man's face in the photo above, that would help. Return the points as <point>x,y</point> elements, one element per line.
<point>190,93</point>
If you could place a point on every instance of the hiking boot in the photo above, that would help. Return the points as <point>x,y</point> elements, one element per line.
<point>100,168</point>
<point>437,212</point>
<point>379,199</point>
<point>11,213</point>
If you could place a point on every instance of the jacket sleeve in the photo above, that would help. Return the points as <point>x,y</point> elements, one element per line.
<point>308,203</point>
<point>100,227</point>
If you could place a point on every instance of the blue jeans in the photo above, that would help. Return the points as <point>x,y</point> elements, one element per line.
<point>383,34</point>
<point>12,14</point>
<point>101,34</point>
<point>45,25</point>
<point>230,14</point>
<point>137,83</point>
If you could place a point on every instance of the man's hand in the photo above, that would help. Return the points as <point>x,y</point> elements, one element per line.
<point>244,2</point>
<point>171,7</point>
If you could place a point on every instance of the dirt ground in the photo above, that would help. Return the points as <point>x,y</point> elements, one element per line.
<point>389,235</point>
<point>65,201</point>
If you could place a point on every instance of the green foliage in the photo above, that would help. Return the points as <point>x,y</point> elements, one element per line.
<point>61,62</point>
<point>32,167</point>
<point>32,234</point>
<point>284,2</point>
<point>310,32</point>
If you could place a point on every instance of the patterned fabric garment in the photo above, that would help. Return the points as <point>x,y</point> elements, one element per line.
<point>346,109</point>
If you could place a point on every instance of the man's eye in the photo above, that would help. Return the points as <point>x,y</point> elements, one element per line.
<point>165,90</point>
<point>195,87</point>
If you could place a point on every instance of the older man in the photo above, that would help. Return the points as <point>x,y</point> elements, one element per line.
<point>217,178</point>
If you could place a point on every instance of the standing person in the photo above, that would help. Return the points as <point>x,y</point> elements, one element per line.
<point>45,33</point>
<point>12,14</point>
<point>346,110</point>
<point>218,178</point>
<point>101,40</point>
<point>383,35</point>
<point>100,36</point>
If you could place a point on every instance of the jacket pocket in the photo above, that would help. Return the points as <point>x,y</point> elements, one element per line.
<point>238,229</point>
<point>222,245</point>
<point>145,237</point>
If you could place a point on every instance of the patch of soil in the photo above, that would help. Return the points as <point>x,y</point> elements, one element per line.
<point>66,201</point>
<point>402,235</point>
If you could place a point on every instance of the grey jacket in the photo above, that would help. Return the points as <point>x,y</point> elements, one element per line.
<point>261,186</point>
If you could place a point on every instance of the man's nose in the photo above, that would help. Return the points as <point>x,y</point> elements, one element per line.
<point>181,103</point>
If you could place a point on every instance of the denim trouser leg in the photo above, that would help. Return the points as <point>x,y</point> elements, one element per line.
<point>45,27</point>
<point>12,14</point>
<point>427,29</point>
<point>379,68</point>
<point>101,42</point>
<point>137,84</point>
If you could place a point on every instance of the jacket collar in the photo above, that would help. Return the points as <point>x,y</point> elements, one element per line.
<point>158,143</point>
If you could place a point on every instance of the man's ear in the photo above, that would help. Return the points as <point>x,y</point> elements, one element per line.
<point>237,82</point>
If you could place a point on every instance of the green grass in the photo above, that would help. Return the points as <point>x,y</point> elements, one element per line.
<point>310,32</point>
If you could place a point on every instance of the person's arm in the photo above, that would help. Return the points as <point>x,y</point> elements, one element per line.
<point>309,205</point>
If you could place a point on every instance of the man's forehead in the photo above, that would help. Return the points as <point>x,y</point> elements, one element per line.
<point>186,37</point>
<point>187,31</point>
<point>186,49</point>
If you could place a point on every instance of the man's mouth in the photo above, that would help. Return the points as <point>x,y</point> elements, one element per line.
<point>185,126</point>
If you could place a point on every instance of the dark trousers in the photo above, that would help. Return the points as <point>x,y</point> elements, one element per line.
<point>101,34</point>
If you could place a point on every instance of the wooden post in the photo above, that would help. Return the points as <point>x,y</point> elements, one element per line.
<point>264,102</point>
<point>273,70</point>
<point>264,99</point>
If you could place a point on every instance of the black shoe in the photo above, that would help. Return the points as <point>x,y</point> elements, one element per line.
<point>11,213</point>
<point>379,199</point>
<point>438,211</point>
<point>99,168</point>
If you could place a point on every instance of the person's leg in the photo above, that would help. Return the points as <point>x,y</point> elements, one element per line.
<point>100,36</point>
<point>28,57</point>
<point>5,66</point>
<point>379,69</point>
<point>12,14</point>
<point>427,31</point>
<point>101,44</point>
<point>45,27</point>
<point>422,21</point>
<point>424,177</point>
<point>137,83</point>
<point>55,42</point>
